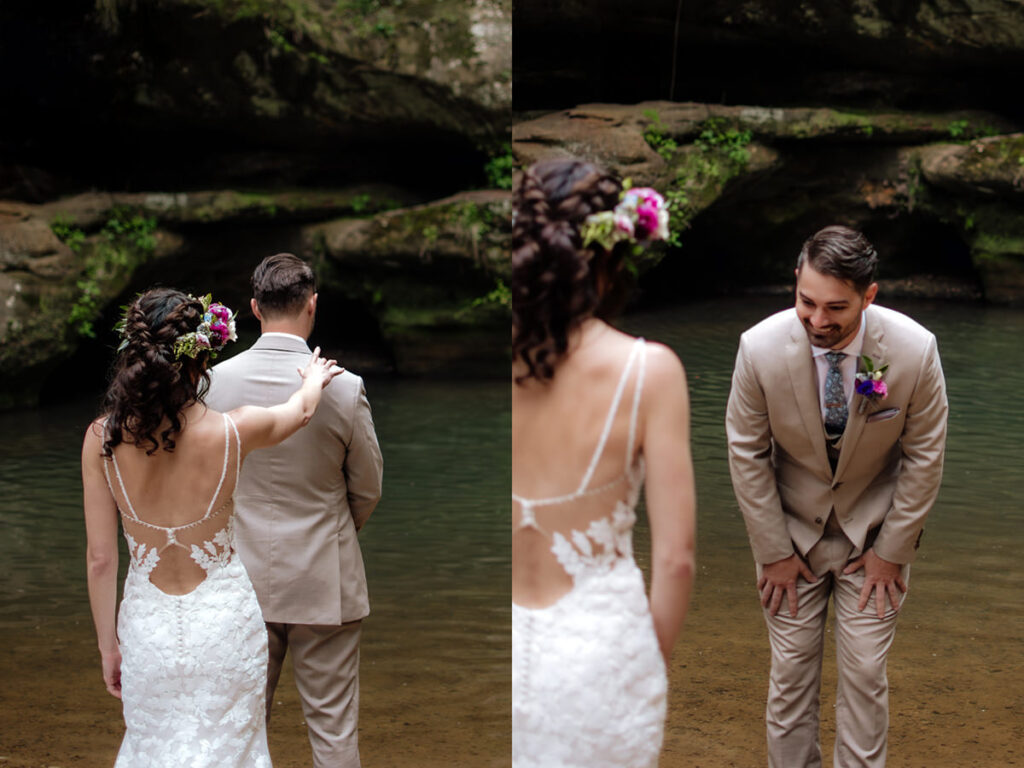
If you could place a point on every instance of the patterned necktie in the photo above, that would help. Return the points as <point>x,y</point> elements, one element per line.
<point>835,398</point>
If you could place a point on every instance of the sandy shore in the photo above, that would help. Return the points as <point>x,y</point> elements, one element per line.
<point>443,699</point>
<point>955,693</point>
<point>54,710</point>
<point>955,701</point>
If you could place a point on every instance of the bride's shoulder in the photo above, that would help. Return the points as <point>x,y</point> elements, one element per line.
<point>92,443</point>
<point>95,430</point>
<point>663,366</point>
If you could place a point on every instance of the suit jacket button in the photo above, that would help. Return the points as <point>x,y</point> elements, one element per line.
<point>817,520</point>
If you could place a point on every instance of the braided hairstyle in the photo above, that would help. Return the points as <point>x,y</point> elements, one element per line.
<point>556,282</point>
<point>149,384</point>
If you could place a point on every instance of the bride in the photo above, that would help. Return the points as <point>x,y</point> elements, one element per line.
<point>593,411</point>
<point>188,656</point>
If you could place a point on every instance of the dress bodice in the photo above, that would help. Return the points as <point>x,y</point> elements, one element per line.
<point>207,540</point>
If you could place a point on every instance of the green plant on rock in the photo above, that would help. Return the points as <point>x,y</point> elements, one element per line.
<point>914,184</point>
<point>967,217</point>
<point>279,41</point>
<point>717,136</point>
<point>63,227</point>
<point>499,296</point>
<point>367,18</point>
<point>499,168</point>
<point>656,136</point>
<point>678,219</point>
<point>127,237</point>
<point>719,153</point>
<point>959,128</point>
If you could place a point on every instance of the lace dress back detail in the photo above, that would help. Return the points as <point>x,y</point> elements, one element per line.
<point>588,680</point>
<point>206,540</point>
<point>194,662</point>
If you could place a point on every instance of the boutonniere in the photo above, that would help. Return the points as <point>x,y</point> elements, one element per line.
<point>870,382</point>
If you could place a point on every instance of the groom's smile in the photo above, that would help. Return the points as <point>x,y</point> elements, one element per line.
<point>829,308</point>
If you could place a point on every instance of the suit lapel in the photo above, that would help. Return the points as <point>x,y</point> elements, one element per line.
<point>875,348</point>
<point>804,379</point>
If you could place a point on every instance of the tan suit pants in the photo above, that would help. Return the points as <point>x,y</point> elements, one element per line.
<point>325,660</point>
<point>862,643</point>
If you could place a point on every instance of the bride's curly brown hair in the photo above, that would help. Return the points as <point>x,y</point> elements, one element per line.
<point>149,384</point>
<point>556,282</point>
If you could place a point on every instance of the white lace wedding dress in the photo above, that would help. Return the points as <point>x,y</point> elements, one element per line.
<point>194,666</point>
<point>588,679</point>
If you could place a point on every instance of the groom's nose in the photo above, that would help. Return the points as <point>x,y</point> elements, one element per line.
<point>820,319</point>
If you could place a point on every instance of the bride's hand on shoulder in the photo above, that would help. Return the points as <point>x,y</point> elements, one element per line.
<point>320,369</point>
<point>112,672</point>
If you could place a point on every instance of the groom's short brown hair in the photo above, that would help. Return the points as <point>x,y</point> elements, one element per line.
<point>843,253</point>
<point>282,284</point>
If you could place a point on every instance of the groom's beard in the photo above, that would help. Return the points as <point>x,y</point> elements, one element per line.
<point>831,336</point>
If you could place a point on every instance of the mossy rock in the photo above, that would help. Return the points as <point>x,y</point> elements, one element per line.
<point>433,275</point>
<point>986,167</point>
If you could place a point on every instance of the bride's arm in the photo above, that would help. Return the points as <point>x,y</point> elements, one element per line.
<point>101,555</point>
<point>671,499</point>
<point>263,427</point>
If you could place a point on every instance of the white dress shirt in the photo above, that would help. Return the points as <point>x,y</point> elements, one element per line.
<point>284,335</point>
<point>848,365</point>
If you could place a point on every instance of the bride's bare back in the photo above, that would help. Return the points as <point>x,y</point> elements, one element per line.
<point>175,506</point>
<point>563,476</point>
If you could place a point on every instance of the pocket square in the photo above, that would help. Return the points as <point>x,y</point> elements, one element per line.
<point>885,415</point>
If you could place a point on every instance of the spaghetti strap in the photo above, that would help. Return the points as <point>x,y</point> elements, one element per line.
<point>124,493</point>
<point>636,406</point>
<point>610,419</point>
<point>224,468</point>
<point>238,448</point>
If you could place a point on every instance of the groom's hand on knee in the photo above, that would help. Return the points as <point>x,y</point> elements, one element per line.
<point>881,576</point>
<point>778,580</point>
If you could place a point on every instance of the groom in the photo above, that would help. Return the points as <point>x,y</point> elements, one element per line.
<point>834,471</point>
<point>299,506</point>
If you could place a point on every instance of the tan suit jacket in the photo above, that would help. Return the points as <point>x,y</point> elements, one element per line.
<point>300,503</point>
<point>889,466</point>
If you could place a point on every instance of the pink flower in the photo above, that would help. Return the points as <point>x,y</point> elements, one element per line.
<point>202,341</point>
<point>624,224</point>
<point>881,389</point>
<point>220,311</point>
<point>649,196</point>
<point>647,219</point>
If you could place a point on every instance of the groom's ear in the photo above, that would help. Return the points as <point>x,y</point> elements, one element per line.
<point>312,304</point>
<point>869,295</point>
<point>255,309</point>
